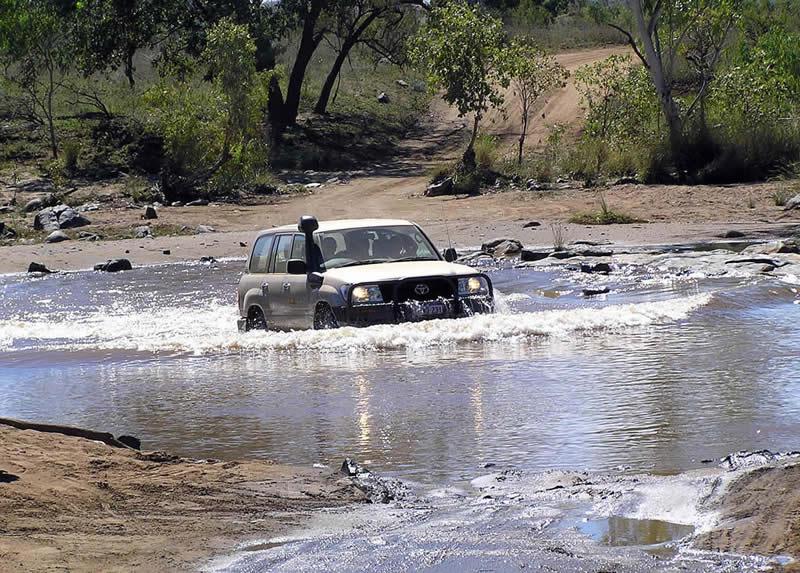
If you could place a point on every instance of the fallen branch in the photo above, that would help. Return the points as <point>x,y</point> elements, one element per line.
<point>104,437</point>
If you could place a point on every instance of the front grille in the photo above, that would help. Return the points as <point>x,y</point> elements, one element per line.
<point>424,289</point>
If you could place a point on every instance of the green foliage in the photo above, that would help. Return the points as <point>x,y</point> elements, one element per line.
<point>486,151</point>
<point>603,216</point>
<point>461,52</point>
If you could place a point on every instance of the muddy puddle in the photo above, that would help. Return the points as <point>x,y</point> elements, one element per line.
<point>687,358</point>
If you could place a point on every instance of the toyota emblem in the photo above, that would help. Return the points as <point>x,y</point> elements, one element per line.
<point>422,289</point>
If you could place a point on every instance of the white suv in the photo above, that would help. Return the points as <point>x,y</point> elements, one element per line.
<point>353,273</point>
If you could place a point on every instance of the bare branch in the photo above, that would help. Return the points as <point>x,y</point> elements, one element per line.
<point>632,42</point>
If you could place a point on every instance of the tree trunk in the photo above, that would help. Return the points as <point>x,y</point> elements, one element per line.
<point>522,136</point>
<point>349,42</point>
<point>656,69</point>
<point>308,45</point>
<point>325,94</point>
<point>50,121</point>
<point>468,158</point>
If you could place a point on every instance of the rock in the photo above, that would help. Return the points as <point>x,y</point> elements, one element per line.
<point>349,467</point>
<point>38,268</point>
<point>197,203</point>
<point>149,213</point>
<point>595,292</point>
<point>587,243</point>
<point>204,229</point>
<point>166,252</point>
<point>59,217</point>
<point>313,185</point>
<point>533,185</point>
<point>443,187</point>
<point>531,225</point>
<point>6,232</point>
<point>6,208</point>
<point>114,266</point>
<point>131,442</point>
<point>502,247</point>
<point>56,237</point>
<point>208,259</point>
<point>563,254</point>
<point>176,204</point>
<point>767,269</point>
<point>755,260</point>
<point>242,244</point>
<point>419,86</point>
<point>383,98</point>
<point>603,268</point>
<point>450,254</point>
<point>775,247</point>
<point>529,256</point>
<point>46,220</point>
<point>401,83</point>
<point>142,232</point>
<point>86,236</point>
<point>6,477</point>
<point>595,253</point>
<point>793,203</point>
<point>39,203</point>
<point>733,234</point>
<point>86,207</point>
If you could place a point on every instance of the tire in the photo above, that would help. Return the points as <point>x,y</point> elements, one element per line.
<point>256,320</point>
<point>324,318</point>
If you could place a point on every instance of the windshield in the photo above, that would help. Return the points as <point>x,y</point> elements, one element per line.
<point>350,247</point>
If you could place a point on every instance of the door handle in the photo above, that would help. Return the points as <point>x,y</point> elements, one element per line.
<point>287,287</point>
<point>264,289</point>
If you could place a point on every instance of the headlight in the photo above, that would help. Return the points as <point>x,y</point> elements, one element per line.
<point>366,294</point>
<point>473,286</point>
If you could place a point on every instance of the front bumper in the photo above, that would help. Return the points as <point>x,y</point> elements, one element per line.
<point>395,313</point>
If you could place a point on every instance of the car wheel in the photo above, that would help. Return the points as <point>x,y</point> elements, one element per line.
<point>324,319</point>
<point>256,320</point>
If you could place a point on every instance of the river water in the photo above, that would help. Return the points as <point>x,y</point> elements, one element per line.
<point>670,368</point>
<point>555,434</point>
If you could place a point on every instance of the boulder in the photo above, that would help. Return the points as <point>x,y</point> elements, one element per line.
<point>595,291</point>
<point>56,237</point>
<point>502,247</point>
<point>87,236</point>
<point>775,247</point>
<point>732,234</point>
<point>401,83</point>
<point>531,225</point>
<point>200,229</point>
<point>383,98</point>
<point>58,217</point>
<point>39,203</point>
<point>149,213</point>
<point>443,187</point>
<point>143,232</point>
<point>793,203</point>
<point>38,268</point>
<point>114,266</point>
<point>603,268</point>
<point>176,204</point>
<point>595,253</point>
<point>197,203</point>
<point>130,441</point>
<point>529,256</point>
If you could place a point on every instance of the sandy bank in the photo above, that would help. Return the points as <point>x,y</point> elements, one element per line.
<point>760,514</point>
<point>72,504</point>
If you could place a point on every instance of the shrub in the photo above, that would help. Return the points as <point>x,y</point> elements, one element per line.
<point>603,216</point>
<point>486,151</point>
<point>70,152</point>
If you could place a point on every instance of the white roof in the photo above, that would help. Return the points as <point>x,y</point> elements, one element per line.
<point>342,224</point>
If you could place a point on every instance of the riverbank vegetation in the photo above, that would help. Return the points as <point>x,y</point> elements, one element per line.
<point>212,99</point>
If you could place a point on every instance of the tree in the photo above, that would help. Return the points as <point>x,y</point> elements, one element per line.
<point>461,52</point>
<point>659,32</point>
<point>533,73</point>
<point>35,55</point>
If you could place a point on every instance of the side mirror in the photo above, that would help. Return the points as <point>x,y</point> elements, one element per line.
<point>450,254</point>
<point>296,267</point>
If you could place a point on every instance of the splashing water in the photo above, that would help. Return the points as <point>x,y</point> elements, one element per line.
<point>212,329</point>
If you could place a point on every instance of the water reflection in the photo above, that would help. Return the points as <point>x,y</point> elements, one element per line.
<point>660,392</point>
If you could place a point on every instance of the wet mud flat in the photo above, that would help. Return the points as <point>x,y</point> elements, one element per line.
<point>68,503</point>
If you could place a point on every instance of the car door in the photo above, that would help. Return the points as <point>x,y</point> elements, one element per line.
<point>279,287</point>
<point>255,281</point>
<point>298,296</point>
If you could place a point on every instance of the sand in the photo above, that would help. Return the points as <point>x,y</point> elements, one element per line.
<point>80,505</point>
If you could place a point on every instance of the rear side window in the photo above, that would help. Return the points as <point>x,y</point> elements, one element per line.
<point>283,252</point>
<point>299,247</point>
<point>260,257</point>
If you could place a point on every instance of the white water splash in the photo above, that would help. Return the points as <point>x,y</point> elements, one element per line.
<point>212,329</point>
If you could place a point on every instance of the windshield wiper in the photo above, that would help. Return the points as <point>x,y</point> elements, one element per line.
<point>406,259</point>
<point>364,262</point>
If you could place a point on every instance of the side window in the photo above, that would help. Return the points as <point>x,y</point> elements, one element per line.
<point>299,247</point>
<point>260,257</point>
<point>283,251</point>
